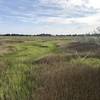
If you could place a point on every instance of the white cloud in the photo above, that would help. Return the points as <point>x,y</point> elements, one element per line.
<point>63,3</point>
<point>89,20</point>
<point>68,13</point>
<point>94,3</point>
<point>90,8</point>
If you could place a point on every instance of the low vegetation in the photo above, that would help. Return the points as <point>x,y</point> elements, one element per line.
<point>49,68</point>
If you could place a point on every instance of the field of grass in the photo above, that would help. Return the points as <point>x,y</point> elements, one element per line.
<point>49,68</point>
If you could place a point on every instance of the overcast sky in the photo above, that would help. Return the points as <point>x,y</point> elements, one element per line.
<point>50,16</point>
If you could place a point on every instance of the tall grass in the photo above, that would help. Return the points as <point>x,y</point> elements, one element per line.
<point>69,81</point>
<point>15,80</point>
<point>49,69</point>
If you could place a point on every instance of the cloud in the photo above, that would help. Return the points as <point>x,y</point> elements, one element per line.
<point>65,13</point>
<point>79,12</point>
<point>89,20</point>
<point>65,3</point>
<point>94,3</point>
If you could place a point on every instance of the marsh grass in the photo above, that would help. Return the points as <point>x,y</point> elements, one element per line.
<point>42,68</point>
<point>69,80</point>
<point>15,80</point>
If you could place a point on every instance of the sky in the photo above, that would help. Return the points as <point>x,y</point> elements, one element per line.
<point>49,16</point>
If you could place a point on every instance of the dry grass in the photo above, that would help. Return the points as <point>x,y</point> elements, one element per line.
<point>71,73</point>
<point>2,66</point>
<point>86,49</point>
<point>51,59</point>
<point>81,47</point>
<point>66,81</point>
